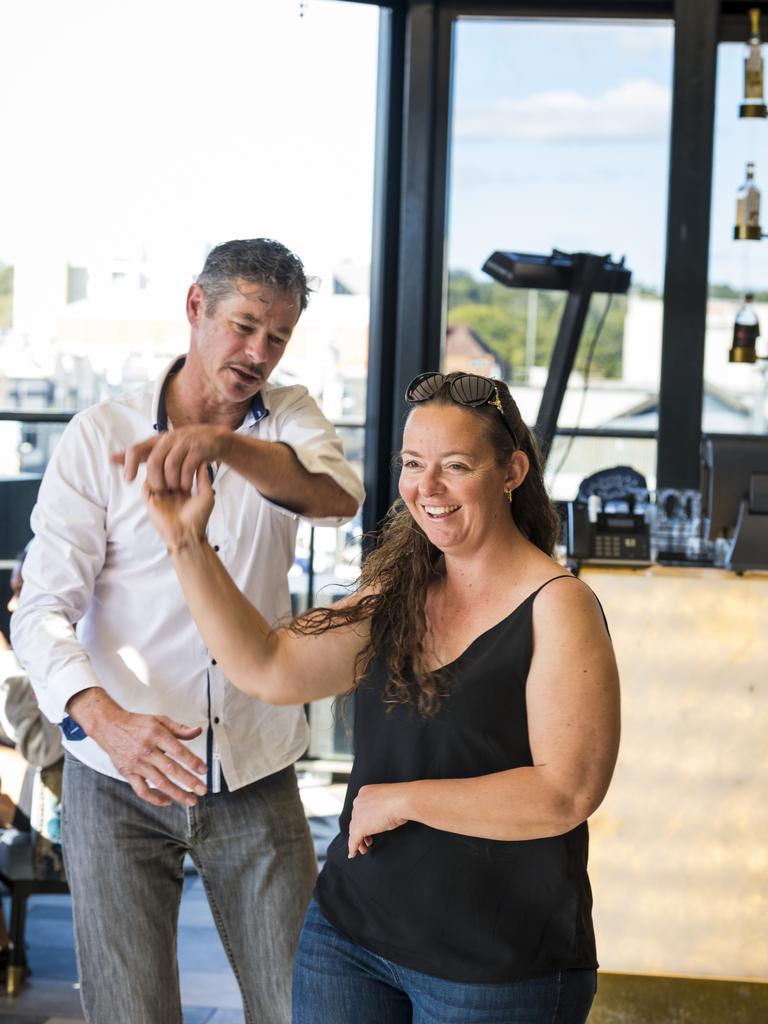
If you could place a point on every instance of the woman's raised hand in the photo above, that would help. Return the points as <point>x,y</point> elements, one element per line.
<point>182,516</point>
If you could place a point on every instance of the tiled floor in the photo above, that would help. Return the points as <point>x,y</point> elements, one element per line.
<point>208,988</point>
<point>209,991</point>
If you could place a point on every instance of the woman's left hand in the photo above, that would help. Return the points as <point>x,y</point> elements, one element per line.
<point>181,516</point>
<point>375,809</point>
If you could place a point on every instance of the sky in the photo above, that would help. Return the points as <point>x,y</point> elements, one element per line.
<point>164,127</point>
<point>561,140</point>
<point>170,125</point>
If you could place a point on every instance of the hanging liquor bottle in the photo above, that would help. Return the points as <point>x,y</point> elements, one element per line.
<point>754,104</point>
<point>746,331</point>
<point>748,209</point>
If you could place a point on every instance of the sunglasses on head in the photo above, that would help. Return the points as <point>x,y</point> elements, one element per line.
<point>464,388</point>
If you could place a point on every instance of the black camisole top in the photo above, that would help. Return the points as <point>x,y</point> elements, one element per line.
<point>458,907</point>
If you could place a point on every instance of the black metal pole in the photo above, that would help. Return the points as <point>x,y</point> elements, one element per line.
<point>681,392</point>
<point>586,269</point>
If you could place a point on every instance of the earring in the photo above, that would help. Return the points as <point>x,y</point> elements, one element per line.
<point>508,495</point>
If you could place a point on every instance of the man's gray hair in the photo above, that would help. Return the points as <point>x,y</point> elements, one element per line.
<point>258,260</point>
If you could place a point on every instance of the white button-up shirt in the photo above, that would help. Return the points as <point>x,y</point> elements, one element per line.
<point>97,562</point>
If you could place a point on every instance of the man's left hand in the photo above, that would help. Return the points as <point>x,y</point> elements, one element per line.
<point>374,809</point>
<point>174,456</point>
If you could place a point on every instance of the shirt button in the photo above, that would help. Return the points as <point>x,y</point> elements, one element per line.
<point>215,547</point>
<point>216,720</point>
<point>213,661</point>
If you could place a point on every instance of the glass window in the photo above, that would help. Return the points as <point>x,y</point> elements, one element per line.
<point>137,150</point>
<point>735,393</point>
<point>560,140</point>
<point>137,136</point>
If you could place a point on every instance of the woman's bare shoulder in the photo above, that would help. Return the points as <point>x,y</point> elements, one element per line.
<point>567,598</point>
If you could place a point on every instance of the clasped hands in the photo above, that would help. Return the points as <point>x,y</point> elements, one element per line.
<point>173,457</point>
<point>175,460</point>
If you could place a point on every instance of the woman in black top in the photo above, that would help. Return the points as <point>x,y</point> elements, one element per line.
<point>486,731</point>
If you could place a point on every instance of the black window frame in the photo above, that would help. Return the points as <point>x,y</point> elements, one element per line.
<point>408,259</point>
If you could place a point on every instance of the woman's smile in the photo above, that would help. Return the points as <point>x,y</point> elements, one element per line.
<point>440,511</point>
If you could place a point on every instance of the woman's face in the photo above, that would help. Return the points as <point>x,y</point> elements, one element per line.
<point>450,480</point>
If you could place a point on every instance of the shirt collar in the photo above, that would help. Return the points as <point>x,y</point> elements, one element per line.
<point>256,413</point>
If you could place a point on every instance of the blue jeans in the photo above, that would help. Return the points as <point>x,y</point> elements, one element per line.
<point>124,861</point>
<point>335,981</point>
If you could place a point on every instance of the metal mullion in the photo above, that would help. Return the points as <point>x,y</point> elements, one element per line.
<point>385,256</point>
<point>734,20</point>
<point>609,9</point>
<point>437,311</point>
<point>35,416</point>
<point>414,352</point>
<point>609,432</point>
<point>681,391</point>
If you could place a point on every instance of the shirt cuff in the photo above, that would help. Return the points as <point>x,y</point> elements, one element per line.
<point>339,471</point>
<point>61,688</point>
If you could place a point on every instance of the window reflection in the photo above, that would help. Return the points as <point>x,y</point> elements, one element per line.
<point>560,140</point>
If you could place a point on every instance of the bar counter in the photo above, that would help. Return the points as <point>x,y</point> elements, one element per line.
<point>679,848</point>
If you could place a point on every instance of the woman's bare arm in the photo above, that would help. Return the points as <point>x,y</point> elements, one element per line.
<point>278,666</point>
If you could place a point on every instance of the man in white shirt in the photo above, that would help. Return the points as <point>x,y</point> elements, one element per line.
<point>164,755</point>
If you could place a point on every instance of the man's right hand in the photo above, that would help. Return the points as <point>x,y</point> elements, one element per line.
<point>145,749</point>
<point>173,457</point>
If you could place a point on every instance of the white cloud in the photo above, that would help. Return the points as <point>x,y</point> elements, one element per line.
<point>635,110</point>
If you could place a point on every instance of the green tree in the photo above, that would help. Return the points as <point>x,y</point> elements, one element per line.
<point>499,315</point>
<point>723,291</point>
<point>505,336</point>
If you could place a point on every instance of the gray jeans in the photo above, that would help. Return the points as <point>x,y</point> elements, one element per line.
<point>124,861</point>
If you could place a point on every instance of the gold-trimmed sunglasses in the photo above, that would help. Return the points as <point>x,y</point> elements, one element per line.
<point>464,388</point>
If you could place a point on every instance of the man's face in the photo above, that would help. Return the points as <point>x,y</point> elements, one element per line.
<point>236,348</point>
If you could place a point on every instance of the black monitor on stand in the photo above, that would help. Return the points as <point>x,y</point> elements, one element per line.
<point>734,490</point>
<point>581,274</point>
